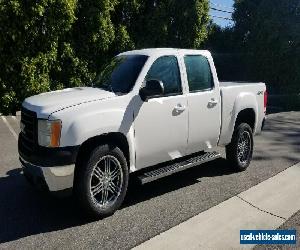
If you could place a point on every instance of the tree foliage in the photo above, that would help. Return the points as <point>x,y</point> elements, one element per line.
<point>221,40</point>
<point>31,32</point>
<point>274,43</point>
<point>51,44</point>
<point>171,23</point>
<point>266,37</point>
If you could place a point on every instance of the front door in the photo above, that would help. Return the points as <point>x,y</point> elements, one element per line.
<point>161,123</point>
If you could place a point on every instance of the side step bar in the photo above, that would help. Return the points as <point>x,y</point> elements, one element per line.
<point>172,168</point>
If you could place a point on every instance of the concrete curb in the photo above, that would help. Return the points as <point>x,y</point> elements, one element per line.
<point>264,206</point>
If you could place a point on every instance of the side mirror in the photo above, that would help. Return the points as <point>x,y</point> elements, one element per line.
<point>153,88</point>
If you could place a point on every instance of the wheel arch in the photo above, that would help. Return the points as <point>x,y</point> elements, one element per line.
<point>246,116</point>
<point>116,138</point>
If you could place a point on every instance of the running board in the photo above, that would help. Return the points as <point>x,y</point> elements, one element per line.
<point>172,168</point>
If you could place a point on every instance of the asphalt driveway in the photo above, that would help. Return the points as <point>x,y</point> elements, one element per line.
<point>31,219</point>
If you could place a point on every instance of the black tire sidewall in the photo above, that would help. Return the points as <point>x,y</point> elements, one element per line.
<point>232,149</point>
<point>83,181</point>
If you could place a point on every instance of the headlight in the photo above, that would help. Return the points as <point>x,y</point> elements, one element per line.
<point>49,133</point>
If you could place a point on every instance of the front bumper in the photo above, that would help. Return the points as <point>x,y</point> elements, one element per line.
<point>53,179</point>
<point>48,168</point>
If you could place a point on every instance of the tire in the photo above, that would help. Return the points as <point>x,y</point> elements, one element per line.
<point>102,177</point>
<point>239,151</point>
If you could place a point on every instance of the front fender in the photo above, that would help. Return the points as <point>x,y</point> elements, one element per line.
<point>78,128</point>
<point>91,125</point>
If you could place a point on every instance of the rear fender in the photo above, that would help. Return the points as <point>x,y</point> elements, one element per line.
<point>243,101</point>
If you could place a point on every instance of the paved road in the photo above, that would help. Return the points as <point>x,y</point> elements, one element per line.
<point>29,219</point>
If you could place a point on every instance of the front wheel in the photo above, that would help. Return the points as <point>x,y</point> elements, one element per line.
<point>102,181</point>
<point>239,151</point>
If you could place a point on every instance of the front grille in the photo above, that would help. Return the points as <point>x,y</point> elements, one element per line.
<point>28,135</point>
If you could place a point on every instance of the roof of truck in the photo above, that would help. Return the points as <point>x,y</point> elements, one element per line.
<point>162,51</point>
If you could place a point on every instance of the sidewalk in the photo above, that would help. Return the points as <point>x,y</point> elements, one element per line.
<point>264,206</point>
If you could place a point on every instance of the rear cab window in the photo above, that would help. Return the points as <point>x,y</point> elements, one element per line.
<point>199,73</point>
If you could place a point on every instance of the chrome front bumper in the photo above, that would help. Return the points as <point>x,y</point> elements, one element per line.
<point>56,178</point>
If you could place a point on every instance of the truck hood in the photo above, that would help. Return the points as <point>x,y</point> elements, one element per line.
<point>47,103</point>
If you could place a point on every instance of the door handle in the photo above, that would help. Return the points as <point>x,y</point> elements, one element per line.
<point>213,102</point>
<point>179,108</point>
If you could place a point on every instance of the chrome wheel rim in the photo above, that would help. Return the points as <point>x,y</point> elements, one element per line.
<point>106,181</point>
<point>244,147</point>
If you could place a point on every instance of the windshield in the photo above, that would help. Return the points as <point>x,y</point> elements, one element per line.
<point>120,74</point>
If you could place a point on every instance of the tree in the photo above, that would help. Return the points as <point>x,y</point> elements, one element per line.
<point>171,23</point>
<point>30,35</point>
<point>244,17</point>
<point>220,40</point>
<point>268,31</point>
<point>51,44</point>
<point>275,44</point>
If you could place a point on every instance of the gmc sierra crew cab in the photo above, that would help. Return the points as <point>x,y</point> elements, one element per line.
<point>152,112</point>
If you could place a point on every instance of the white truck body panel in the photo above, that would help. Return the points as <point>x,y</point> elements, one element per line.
<point>237,96</point>
<point>166,139</point>
<point>47,103</point>
<point>154,132</point>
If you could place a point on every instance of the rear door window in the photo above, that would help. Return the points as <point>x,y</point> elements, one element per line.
<point>198,73</point>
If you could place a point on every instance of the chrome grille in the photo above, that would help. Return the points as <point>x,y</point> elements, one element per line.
<point>28,135</point>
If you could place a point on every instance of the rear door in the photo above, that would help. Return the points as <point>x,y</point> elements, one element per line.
<point>203,102</point>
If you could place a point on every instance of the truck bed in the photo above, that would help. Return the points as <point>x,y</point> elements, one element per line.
<point>238,83</point>
<point>237,96</point>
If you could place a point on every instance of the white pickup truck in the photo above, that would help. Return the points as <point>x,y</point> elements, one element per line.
<point>153,112</point>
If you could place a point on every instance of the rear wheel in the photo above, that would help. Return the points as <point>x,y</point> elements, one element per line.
<point>239,151</point>
<point>102,181</point>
